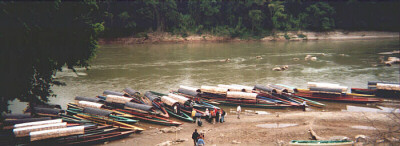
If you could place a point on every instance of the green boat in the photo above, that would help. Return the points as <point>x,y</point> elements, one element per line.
<point>182,116</point>
<point>101,113</point>
<point>321,142</point>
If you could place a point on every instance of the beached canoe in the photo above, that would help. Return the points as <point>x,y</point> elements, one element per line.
<point>337,97</point>
<point>321,143</point>
<point>106,121</point>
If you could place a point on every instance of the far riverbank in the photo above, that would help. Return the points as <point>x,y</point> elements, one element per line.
<point>158,37</point>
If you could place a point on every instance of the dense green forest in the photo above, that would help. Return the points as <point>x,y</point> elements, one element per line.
<point>244,18</point>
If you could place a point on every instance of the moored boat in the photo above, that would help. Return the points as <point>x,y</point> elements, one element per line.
<point>321,142</point>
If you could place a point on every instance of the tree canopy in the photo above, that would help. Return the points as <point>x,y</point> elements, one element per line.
<point>37,39</point>
<point>240,18</point>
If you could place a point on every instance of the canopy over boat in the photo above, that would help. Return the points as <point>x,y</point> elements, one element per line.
<point>89,104</point>
<point>213,89</point>
<point>130,91</point>
<point>278,89</point>
<point>25,120</point>
<point>180,99</point>
<point>188,92</point>
<point>95,111</point>
<point>47,111</point>
<point>118,99</point>
<point>242,95</point>
<point>189,88</point>
<point>247,88</point>
<point>138,106</point>
<point>264,88</point>
<point>168,100</point>
<point>327,86</point>
<point>37,123</point>
<point>24,131</point>
<point>150,96</point>
<point>17,116</point>
<point>289,88</point>
<point>383,86</point>
<point>45,134</point>
<point>108,92</point>
<point>232,88</point>
<point>91,99</point>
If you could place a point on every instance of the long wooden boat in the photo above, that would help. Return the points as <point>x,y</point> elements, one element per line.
<point>151,98</point>
<point>106,121</point>
<point>377,92</point>
<point>151,118</point>
<point>350,94</point>
<point>100,138</point>
<point>128,111</point>
<point>257,103</point>
<point>199,103</point>
<point>184,108</point>
<point>267,106</point>
<point>104,113</point>
<point>321,142</point>
<point>337,97</point>
<point>182,116</point>
<point>89,134</point>
<point>363,91</point>
<point>308,101</point>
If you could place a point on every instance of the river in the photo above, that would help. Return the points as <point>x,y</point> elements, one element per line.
<point>162,67</point>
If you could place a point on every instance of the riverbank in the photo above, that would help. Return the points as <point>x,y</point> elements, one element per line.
<point>288,36</point>
<point>268,129</point>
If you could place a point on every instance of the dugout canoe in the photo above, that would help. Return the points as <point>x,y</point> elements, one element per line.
<point>106,121</point>
<point>100,113</point>
<point>337,97</point>
<point>183,116</point>
<point>321,143</point>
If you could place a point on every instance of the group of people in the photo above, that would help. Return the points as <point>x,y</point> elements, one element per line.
<point>212,116</point>
<point>198,139</point>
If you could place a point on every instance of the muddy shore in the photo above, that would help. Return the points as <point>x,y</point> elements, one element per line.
<point>157,37</point>
<point>249,129</point>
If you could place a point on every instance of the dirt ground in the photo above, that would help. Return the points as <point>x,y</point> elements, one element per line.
<point>244,131</point>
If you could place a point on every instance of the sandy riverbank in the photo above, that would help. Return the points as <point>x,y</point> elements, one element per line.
<point>245,131</point>
<point>290,36</point>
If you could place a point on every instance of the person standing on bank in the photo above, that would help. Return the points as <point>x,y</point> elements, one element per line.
<point>200,141</point>
<point>222,115</point>
<point>238,109</point>
<point>217,115</point>
<point>195,136</point>
<point>194,115</point>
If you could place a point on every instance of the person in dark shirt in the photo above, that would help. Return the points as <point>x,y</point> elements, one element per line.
<point>195,135</point>
<point>222,115</point>
<point>217,117</point>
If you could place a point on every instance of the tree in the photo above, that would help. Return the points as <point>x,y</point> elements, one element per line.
<point>278,15</point>
<point>320,16</point>
<point>37,39</point>
<point>256,19</point>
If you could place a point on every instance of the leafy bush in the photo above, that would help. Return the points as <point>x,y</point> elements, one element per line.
<point>286,37</point>
<point>301,36</point>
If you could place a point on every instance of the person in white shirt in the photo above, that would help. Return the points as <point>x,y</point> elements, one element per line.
<point>238,109</point>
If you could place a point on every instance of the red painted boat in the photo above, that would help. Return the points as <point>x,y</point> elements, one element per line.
<point>363,91</point>
<point>337,97</point>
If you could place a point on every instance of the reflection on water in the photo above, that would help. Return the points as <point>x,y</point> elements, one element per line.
<point>275,125</point>
<point>162,67</point>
